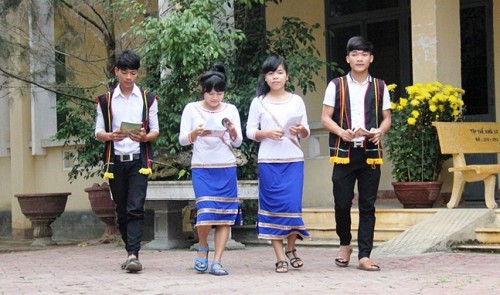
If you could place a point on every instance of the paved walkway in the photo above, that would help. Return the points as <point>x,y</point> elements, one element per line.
<point>95,269</point>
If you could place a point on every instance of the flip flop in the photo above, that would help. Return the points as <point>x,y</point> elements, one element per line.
<point>343,261</point>
<point>368,265</point>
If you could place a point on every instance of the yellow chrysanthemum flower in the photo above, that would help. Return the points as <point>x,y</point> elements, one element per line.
<point>412,117</point>
<point>412,89</point>
<point>391,87</point>
<point>453,99</point>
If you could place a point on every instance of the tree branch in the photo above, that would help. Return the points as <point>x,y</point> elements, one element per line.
<point>84,16</point>
<point>32,82</point>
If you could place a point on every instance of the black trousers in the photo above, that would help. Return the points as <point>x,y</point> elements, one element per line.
<point>344,178</point>
<point>128,189</point>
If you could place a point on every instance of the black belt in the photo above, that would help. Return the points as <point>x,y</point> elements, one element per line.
<point>127,158</point>
<point>357,144</point>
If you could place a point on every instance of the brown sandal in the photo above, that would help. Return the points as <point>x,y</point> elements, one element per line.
<point>295,261</point>
<point>343,261</point>
<point>281,266</point>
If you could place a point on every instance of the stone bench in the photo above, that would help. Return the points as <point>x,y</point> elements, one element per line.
<point>460,138</point>
<point>168,198</point>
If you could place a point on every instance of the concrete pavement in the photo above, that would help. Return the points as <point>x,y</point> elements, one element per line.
<point>95,269</point>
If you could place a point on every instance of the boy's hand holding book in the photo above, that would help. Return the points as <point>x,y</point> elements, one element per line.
<point>127,127</point>
<point>360,131</point>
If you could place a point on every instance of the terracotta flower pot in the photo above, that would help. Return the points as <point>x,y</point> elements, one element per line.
<point>42,209</point>
<point>417,194</point>
<point>103,206</point>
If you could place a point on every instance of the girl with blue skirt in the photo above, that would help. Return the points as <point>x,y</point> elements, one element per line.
<point>278,119</point>
<point>213,128</point>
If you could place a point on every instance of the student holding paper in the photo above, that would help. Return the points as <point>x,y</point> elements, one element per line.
<point>280,161</point>
<point>128,154</point>
<point>356,100</point>
<point>213,165</point>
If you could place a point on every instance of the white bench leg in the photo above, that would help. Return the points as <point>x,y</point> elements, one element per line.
<point>489,192</point>
<point>458,189</point>
<point>167,225</point>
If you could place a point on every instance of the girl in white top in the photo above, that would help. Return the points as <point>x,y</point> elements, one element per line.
<point>214,128</point>
<point>278,119</point>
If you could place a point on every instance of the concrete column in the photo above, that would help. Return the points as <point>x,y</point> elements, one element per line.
<point>436,41</point>
<point>42,68</point>
<point>4,117</point>
<point>22,163</point>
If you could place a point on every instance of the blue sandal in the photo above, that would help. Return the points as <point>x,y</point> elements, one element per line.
<point>216,269</point>
<point>201,264</point>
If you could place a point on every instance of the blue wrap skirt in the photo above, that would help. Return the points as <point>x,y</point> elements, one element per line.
<point>216,192</point>
<point>280,201</point>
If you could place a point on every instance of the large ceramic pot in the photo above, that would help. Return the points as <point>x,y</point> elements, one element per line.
<point>42,209</point>
<point>417,194</point>
<point>103,206</point>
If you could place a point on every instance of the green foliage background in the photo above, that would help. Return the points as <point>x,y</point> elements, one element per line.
<point>197,34</point>
<point>179,46</point>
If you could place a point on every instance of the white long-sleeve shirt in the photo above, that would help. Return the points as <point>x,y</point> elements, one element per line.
<point>209,151</point>
<point>260,119</point>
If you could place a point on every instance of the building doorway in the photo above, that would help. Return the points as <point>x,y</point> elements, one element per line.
<point>477,57</point>
<point>385,23</point>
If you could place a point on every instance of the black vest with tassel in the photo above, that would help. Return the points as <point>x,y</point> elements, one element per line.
<point>104,102</point>
<point>340,150</point>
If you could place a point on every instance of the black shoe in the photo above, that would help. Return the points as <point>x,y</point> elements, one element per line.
<point>133,265</point>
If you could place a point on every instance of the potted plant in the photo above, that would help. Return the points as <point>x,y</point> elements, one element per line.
<point>413,144</point>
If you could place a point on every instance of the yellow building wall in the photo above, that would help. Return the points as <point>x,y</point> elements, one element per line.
<point>317,183</point>
<point>52,177</point>
<point>295,8</point>
<point>5,176</point>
